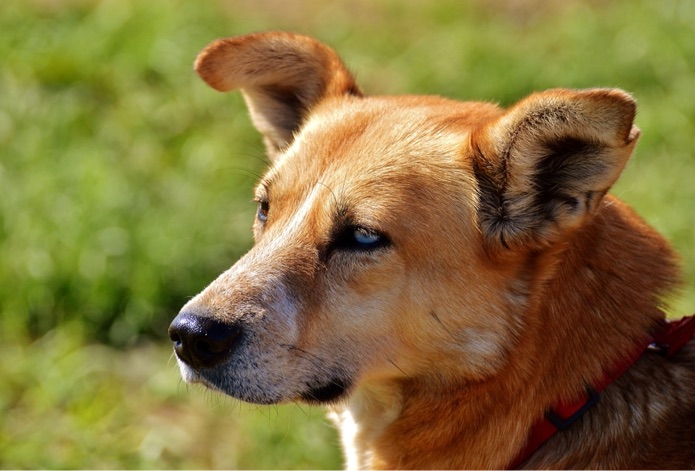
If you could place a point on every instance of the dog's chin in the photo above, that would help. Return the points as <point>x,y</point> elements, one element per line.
<point>329,393</point>
<point>326,393</point>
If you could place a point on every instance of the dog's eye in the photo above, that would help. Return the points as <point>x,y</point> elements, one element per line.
<point>354,238</point>
<point>366,237</point>
<point>359,238</point>
<point>263,208</point>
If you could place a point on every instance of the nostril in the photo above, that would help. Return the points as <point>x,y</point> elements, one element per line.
<point>174,337</point>
<point>203,342</point>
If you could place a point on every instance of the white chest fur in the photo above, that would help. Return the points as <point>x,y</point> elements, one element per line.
<point>370,410</point>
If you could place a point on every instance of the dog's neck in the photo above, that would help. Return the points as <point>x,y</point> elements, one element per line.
<point>608,287</point>
<point>371,409</point>
<point>597,284</point>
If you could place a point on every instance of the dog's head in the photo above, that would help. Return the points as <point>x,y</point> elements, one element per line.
<point>393,234</point>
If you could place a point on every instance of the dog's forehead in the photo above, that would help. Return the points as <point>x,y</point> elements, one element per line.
<point>371,140</point>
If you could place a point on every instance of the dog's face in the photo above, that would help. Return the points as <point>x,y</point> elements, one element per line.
<point>348,273</point>
<point>394,237</point>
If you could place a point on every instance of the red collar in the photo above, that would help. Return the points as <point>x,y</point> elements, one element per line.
<point>671,337</point>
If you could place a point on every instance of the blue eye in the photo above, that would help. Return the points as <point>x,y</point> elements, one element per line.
<point>354,238</point>
<point>362,239</point>
<point>366,237</point>
<point>263,208</point>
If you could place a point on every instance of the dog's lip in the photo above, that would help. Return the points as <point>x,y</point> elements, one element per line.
<point>328,392</point>
<point>316,392</point>
<point>193,376</point>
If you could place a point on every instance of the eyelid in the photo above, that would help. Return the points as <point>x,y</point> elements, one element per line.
<point>261,193</point>
<point>366,233</point>
<point>344,239</point>
<point>263,204</point>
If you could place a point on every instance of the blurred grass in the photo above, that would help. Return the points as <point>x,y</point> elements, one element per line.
<point>125,187</point>
<point>74,406</point>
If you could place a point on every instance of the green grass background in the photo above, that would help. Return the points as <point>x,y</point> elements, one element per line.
<point>125,187</point>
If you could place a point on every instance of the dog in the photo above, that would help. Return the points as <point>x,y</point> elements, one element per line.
<point>451,279</point>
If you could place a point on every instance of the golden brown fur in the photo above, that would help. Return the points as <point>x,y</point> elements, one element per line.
<point>441,273</point>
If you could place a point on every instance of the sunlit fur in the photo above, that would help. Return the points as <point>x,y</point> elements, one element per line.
<point>507,280</point>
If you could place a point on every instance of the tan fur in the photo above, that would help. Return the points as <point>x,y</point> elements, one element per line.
<point>506,279</point>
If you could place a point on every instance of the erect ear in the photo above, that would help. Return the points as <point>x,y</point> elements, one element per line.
<point>282,77</point>
<point>544,166</point>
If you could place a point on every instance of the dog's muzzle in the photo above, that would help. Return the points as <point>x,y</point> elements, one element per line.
<point>201,341</point>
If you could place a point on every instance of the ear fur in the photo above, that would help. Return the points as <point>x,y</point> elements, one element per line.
<point>282,77</point>
<point>544,166</point>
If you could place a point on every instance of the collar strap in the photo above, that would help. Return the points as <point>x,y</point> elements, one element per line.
<point>668,341</point>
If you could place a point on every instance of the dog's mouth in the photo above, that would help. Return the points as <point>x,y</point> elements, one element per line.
<point>326,393</point>
<point>317,393</point>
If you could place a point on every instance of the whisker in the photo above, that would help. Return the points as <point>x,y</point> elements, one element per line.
<point>261,156</point>
<point>318,363</point>
<point>243,172</point>
<point>335,198</point>
<point>436,317</point>
<point>399,369</point>
<point>171,357</point>
<point>299,406</point>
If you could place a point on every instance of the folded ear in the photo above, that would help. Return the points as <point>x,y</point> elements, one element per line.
<point>544,166</point>
<point>282,77</point>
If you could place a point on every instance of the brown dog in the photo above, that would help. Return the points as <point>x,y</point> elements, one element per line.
<point>442,274</point>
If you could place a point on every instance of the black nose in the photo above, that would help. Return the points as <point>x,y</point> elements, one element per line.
<point>202,342</point>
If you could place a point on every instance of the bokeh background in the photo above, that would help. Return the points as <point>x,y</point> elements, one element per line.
<point>125,187</point>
